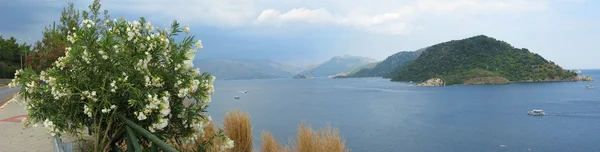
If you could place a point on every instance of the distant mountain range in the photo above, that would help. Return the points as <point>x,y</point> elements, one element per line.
<point>383,68</point>
<point>245,68</point>
<point>267,69</point>
<point>338,64</point>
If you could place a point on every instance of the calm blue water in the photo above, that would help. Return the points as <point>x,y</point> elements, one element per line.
<point>375,114</point>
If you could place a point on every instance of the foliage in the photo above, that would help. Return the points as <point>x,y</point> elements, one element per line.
<point>119,67</point>
<point>449,59</point>
<point>10,56</point>
<point>45,53</point>
<point>53,42</point>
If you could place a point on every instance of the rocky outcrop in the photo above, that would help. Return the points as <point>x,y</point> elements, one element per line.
<point>339,75</point>
<point>487,80</point>
<point>583,78</point>
<point>302,76</point>
<point>433,82</point>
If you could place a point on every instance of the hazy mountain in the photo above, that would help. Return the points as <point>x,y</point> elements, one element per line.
<point>245,68</point>
<point>383,68</point>
<point>338,64</point>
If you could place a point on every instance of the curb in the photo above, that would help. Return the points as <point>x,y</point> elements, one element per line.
<point>6,102</point>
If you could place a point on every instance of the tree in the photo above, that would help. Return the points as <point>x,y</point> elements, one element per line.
<point>120,68</point>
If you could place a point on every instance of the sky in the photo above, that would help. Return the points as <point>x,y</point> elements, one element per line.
<point>305,32</point>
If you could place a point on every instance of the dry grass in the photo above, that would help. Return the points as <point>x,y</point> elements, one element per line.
<point>209,131</point>
<point>309,140</point>
<point>239,129</point>
<point>269,144</point>
<point>237,126</point>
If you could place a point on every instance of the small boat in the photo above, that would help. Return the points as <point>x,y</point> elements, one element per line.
<point>536,112</point>
<point>236,97</point>
<point>589,86</point>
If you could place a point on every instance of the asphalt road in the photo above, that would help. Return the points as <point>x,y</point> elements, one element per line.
<point>7,93</point>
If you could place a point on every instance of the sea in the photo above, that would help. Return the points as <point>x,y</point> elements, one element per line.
<point>375,114</point>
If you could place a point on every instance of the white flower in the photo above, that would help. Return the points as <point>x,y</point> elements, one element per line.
<point>165,111</point>
<point>29,87</point>
<point>182,92</point>
<point>187,64</point>
<point>113,86</point>
<point>148,82</point>
<point>196,72</point>
<point>157,82</point>
<point>228,144</point>
<point>105,110</point>
<point>87,111</point>
<point>141,116</point>
<point>104,56</point>
<point>149,26</point>
<point>199,44</point>
<point>186,29</point>
<point>194,85</point>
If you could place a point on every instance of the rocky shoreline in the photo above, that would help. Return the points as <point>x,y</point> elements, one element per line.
<point>302,76</point>
<point>437,82</point>
<point>572,79</point>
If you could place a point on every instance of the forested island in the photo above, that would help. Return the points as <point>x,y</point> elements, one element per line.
<point>481,60</point>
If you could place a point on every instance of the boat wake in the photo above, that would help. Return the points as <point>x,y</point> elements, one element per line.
<point>576,115</point>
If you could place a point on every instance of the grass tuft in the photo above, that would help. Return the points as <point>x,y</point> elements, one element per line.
<point>239,129</point>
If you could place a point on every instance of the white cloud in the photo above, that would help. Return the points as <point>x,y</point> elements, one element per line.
<point>390,22</point>
<point>379,16</point>
<point>478,6</point>
<point>395,19</point>
<point>295,15</point>
<point>211,12</point>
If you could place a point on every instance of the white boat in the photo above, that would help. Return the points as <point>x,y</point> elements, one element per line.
<point>589,86</point>
<point>536,112</point>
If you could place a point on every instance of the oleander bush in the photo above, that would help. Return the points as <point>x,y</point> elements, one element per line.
<point>114,67</point>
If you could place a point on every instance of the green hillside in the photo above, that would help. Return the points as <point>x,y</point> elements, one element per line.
<point>480,56</point>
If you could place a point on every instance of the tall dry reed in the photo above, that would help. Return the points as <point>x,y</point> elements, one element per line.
<point>239,129</point>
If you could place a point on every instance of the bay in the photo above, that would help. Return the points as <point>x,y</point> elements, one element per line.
<point>374,114</point>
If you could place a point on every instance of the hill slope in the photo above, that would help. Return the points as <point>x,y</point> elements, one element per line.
<point>245,69</point>
<point>383,68</point>
<point>338,64</point>
<point>480,57</point>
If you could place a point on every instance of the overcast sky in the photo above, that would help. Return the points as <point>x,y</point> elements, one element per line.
<point>303,32</point>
